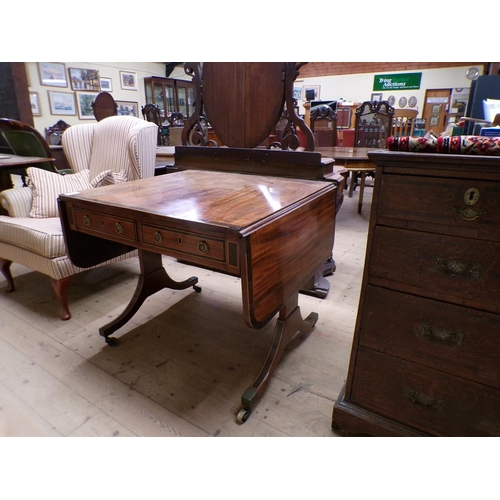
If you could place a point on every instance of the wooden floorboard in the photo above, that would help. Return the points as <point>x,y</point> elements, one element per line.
<point>183,361</point>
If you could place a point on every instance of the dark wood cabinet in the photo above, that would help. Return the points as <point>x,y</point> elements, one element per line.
<point>426,349</point>
<point>170,94</point>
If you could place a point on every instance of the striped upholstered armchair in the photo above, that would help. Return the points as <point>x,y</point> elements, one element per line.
<point>116,149</point>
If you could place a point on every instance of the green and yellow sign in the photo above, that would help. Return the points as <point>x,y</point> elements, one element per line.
<point>402,81</point>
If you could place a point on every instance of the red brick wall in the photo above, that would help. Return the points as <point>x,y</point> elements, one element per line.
<point>314,69</point>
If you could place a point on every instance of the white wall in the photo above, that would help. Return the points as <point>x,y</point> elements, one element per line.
<point>108,70</point>
<point>358,88</point>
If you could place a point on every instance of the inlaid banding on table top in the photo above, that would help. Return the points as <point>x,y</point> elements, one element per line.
<point>209,197</point>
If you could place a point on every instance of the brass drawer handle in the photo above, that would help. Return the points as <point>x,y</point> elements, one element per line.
<point>440,335</point>
<point>158,237</point>
<point>419,399</point>
<point>86,220</point>
<point>119,228</point>
<point>470,270</point>
<point>468,213</point>
<point>203,247</point>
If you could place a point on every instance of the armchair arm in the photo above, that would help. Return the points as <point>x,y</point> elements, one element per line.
<point>142,149</point>
<point>17,201</point>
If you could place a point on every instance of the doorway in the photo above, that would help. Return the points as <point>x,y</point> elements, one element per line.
<point>436,109</point>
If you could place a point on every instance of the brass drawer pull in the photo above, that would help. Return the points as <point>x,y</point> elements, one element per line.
<point>158,237</point>
<point>203,247</point>
<point>468,213</point>
<point>440,335</point>
<point>470,270</point>
<point>86,220</point>
<point>419,399</point>
<point>119,228</point>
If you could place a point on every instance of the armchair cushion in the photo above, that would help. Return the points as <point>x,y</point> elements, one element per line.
<point>47,186</point>
<point>40,236</point>
<point>108,177</point>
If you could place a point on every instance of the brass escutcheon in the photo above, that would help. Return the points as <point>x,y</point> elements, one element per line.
<point>158,237</point>
<point>119,228</point>
<point>86,220</point>
<point>471,196</point>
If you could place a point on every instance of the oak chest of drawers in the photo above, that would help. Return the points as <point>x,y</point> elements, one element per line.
<point>426,349</point>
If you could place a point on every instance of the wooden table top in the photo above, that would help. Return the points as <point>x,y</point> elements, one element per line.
<point>168,151</point>
<point>221,199</point>
<point>345,153</point>
<point>9,161</point>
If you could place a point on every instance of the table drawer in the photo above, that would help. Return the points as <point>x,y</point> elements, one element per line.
<point>463,204</point>
<point>424,399</point>
<point>186,243</point>
<point>450,338</point>
<point>447,267</point>
<point>101,225</point>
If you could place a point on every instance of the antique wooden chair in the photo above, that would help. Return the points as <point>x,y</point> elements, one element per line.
<point>152,113</point>
<point>373,125</point>
<point>323,122</point>
<point>403,122</point>
<point>21,139</point>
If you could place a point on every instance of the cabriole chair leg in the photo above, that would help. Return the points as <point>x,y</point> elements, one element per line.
<point>5,269</point>
<point>61,289</point>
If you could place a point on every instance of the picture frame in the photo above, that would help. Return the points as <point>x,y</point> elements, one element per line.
<point>128,108</point>
<point>106,84</point>
<point>52,74</point>
<point>62,103</point>
<point>376,96</point>
<point>85,109</point>
<point>128,80</point>
<point>84,79</point>
<point>35,104</point>
<point>310,92</point>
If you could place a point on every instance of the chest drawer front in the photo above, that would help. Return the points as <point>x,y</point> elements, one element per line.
<point>450,338</point>
<point>459,203</point>
<point>424,399</point>
<point>185,243</point>
<point>101,225</point>
<point>450,267</point>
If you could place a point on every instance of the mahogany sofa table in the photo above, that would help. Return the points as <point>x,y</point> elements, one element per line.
<point>251,226</point>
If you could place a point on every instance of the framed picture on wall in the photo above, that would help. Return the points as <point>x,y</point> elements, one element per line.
<point>310,92</point>
<point>84,79</point>
<point>128,80</point>
<point>106,84</point>
<point>35,104</point>
<point>62,103</point>
<point>52,74</point>
<point>376,97</point>
<point>129,108</point>
<point>85,110</point>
